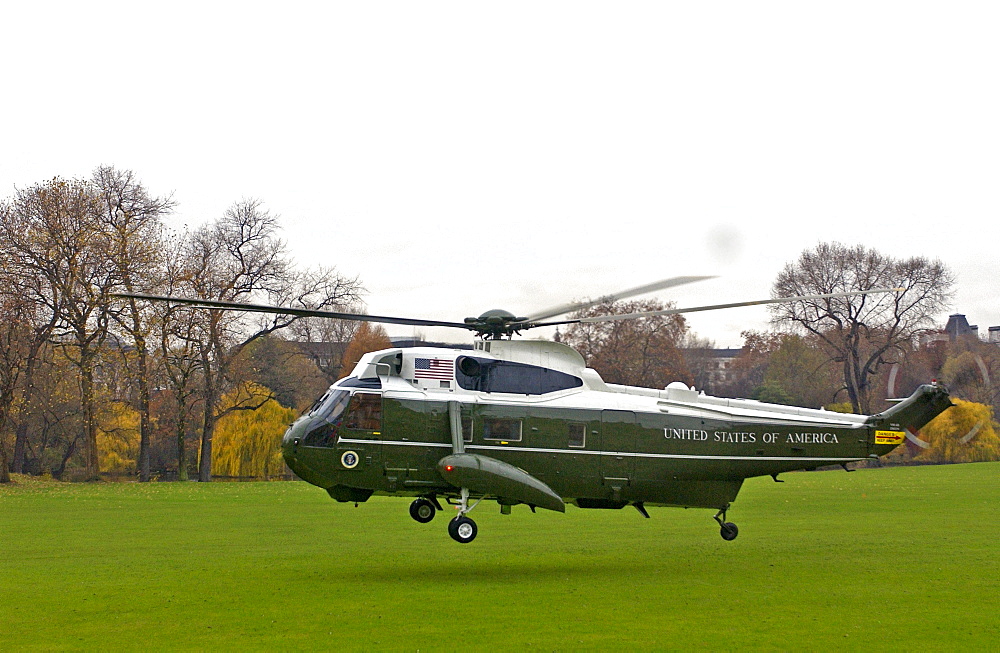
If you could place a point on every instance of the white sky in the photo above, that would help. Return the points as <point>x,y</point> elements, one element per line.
<point>462,156</point>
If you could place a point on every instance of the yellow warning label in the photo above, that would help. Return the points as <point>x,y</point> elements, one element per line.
<point>889,437</point>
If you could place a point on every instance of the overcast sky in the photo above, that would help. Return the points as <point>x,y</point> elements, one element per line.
<point>462,156</point>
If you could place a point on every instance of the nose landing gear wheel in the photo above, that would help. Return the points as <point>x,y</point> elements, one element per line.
<point>462,529</point>
<point>422,510</point>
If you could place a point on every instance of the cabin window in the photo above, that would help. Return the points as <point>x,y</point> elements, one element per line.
<point>577,435</point>
<point>466,426</point>
<point>364,412</point>
<point>488,375</point>
<point>501,428</point>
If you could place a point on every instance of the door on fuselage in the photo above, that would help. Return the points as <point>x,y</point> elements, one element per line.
<point>359,445</point>
<point>618,437</point>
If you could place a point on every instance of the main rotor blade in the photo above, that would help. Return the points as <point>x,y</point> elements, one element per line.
<point>301,312</point>
<point>714,307</point>
<point>613,297</point>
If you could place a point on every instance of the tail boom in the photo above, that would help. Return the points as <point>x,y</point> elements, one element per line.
<point>911,414</point>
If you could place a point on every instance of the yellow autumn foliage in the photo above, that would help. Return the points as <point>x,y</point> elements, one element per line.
<point>248,442</point>
<point>965,433</point>
<point>118,438</point>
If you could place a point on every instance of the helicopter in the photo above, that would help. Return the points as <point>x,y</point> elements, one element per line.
<point>520,421</point>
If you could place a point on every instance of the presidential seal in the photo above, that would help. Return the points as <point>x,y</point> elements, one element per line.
<point>349,460</point>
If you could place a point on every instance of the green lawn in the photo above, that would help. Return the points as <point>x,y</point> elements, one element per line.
<point>890,559</point>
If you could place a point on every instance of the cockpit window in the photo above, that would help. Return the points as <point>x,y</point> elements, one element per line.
<point>319,402</point>
<point>326,419</point>
<point>332,406</point>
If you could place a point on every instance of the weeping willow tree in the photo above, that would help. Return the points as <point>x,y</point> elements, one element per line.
<point>965,433</point>
<point>118,438</point>
<point>247,443</point>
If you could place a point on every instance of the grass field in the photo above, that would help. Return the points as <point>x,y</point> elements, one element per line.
<point>888,559</point>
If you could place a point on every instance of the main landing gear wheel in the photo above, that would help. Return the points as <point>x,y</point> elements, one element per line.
<point>422,510</point>
<point>727,529</point>
<point>462,529</point>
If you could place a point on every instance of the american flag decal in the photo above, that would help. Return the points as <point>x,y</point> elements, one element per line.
<point>433,368</point>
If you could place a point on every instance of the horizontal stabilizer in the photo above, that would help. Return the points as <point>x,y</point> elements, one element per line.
<point>489,476</point>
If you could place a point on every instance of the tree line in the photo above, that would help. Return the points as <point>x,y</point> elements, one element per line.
<point>80,365</point>
<point>92,382</point>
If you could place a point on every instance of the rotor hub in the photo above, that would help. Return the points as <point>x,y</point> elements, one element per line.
<point>496,323</point>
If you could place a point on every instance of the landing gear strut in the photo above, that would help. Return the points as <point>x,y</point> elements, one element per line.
<point>727,530</point>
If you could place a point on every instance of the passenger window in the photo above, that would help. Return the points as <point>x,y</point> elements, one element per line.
<point>466,427</point>
<point>364,412</point>
<point>498,428</point>
<point>577,435</point>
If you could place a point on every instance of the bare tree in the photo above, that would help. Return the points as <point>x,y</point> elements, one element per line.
<point>16,327</point>
<point>28,325</point>
<point>55,417</point>
<point>801,370</point>
<point>240,258</point>
<point>132,220</point>
<point>54,232</point>
<point>862,332</point>
<point>71,245</point>
<point>178,328</point>
<point>643,351</point>
<point>324,341</point>
<point>699,357</point>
